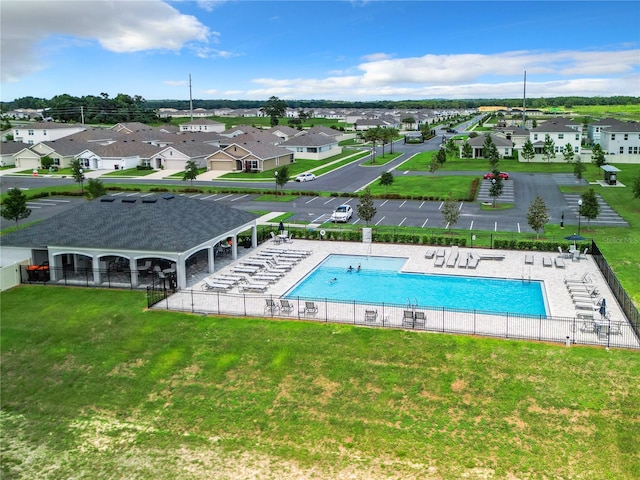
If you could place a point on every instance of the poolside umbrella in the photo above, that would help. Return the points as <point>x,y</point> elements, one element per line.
<point>603,307</point>
<point>574,238</point>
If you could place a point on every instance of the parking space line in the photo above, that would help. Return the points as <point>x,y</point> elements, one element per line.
<point>471,226</point>
<point>421,204</point>
<point>403,220</point>
<point>382,204</point>
<point>495,227</point>
<point>210,196</point>
<point>378,222</point>
<point>239,198</point>
<point>519,227</point>
<point>440,207</point>
<point>330,200</point>
<point>402,204</point>
<point>312,200</point>
<point>460,207</point>
<point>425,222</point>
<point>222,198</point>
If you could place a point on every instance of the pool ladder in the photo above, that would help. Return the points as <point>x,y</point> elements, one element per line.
<point>412,306</point>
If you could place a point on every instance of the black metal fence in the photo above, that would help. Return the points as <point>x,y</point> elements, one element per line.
<point>80,277</point>
<point>566,330</point>
<point>629,309</point>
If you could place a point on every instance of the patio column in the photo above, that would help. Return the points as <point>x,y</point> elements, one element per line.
<point>54,273</point>
<point>95,262</point>
<point>181,273</point>
<point>133,265</point>
<point>211,259</point>
<point>254,236</point>
<point>234,247</point>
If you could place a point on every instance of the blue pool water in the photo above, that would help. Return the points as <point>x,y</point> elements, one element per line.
<point>379,281</point>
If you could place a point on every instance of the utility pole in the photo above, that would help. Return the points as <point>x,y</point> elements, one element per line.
<point>190,99</point>
<point>524,103</point>
<point>82,114</point>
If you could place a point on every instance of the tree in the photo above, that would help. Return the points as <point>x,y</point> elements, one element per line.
<point>409,121</point>
<point>14,207</point>
<point>451,148</point>
<point>386,179</point>
<point>636,187</point>
<point>597,155</point>
<point>549,148</point>
<point>578,168</point>
<point>365,208</point>
<point>568,153</point>
<point>274,109</point>
<point>467,151</point>
<point>590,207</point>
<point>77,172</point>
<point>490,152</point>
<point>282,177</point>
<point>538,215</point>
<point>450,211</point>
<point>434,165</point>
<point>95,188</point>
<point>190,171</point>
<point>528,152</point>
<point>46,162</point>
<point>441,156</point>
<point>373,135</point>
<point>391,133</point>
<point>496,188</point>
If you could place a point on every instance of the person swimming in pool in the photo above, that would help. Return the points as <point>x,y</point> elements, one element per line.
<point>333,280</point>
<point>350,269</point>
<point>358,268</point>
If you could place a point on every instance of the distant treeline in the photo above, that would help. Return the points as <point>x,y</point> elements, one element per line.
<point>124,108</point>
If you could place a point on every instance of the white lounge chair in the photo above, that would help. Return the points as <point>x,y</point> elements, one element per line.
<point>528,259</point>
<point>473,261</point>
<point>310,308</point>
<point>559,262</point>
<point>370,316</point>
<point>271,307</point>
<point>546,262</point>
<point>453,257</point>
<point>286,306</point>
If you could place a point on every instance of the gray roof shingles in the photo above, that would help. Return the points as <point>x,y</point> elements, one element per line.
<point>173,225</point>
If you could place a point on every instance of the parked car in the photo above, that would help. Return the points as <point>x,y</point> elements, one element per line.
<point>503,175</point>
<point>342,214</point>
<point>305,177</point>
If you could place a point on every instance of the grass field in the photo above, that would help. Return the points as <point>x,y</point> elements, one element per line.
<point>96,387</point>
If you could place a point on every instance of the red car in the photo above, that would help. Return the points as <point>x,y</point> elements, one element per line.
<point>503,175</point>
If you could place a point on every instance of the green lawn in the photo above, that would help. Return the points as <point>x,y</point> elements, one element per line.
<point>94,386</point>
<point>435,186</point>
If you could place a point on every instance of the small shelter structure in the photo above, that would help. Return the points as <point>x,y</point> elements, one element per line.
<point>610,174</point>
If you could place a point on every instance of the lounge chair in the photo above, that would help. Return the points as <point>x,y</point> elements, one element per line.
<point>546,262</point>
<point>146,267</point>
<point>210,285</point>
<point>430,253</point>
<point>277,240</point>
<point>408,319</point>
<point>473,261</point>
<point>584,279</point>
<point>419,319</point>
<point>528,259</point>
<point>310,308</point>
<point>286,306</point>
<point>563,254</point>
<point>585,315</point>
<point>491,256</point>
<point>370,316</point>
<point>254,287</point>
<point>439,262</point>
<point>584,305</point>
<point>271,307</point>
<point>440,253</point>
<point>464,261</point>
<point>588,326</point>
<point>453,257</point>
<point>559,262</point>
<point>583,255</point>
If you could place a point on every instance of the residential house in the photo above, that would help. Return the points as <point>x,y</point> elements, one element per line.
<point>33,133</point>
<point>517,135</point>
<point>504,146</point>
<point>621,139</point>
<point>8,150</point>
<point>249,156</point>
<point>203,125</point>
<point>313,146</point>
<point>562,131</point>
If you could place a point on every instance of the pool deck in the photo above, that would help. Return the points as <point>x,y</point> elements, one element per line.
<point>508,264</point>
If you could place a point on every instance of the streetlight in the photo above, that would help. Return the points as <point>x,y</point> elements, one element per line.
<point>81,171</point>
<point>493,182</point>
<point>276,176</point>
<point>579,214</point>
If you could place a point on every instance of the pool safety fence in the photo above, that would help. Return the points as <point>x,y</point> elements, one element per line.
<point>629,309</point>
<point>567,330</point>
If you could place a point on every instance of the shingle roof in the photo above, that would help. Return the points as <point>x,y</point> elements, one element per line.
<point>309,140</point>
<point>173,225</point>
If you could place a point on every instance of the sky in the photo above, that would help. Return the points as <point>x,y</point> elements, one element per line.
<point>352,50</point>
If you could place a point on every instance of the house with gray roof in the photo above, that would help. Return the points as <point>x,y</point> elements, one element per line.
<point>141,234</point>
<point>8,151</point>
<point>202,125</point>
<point>37,132</point>
<point>248,155</point>
<point>312,146</point>
<point>504,146</point>
<point>562,131</point>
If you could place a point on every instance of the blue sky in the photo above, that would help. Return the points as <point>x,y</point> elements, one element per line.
<point>338,50</point>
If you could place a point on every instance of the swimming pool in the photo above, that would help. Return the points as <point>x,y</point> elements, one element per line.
<point>380,281</point>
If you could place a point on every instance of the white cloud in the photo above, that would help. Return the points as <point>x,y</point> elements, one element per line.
<point>120,27</point>
<point>471,75</point>
<point>175,83</point>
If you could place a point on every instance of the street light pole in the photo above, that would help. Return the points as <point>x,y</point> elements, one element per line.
<point>579,214</point>
<point>276,177</point>
<point>81,172</point>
